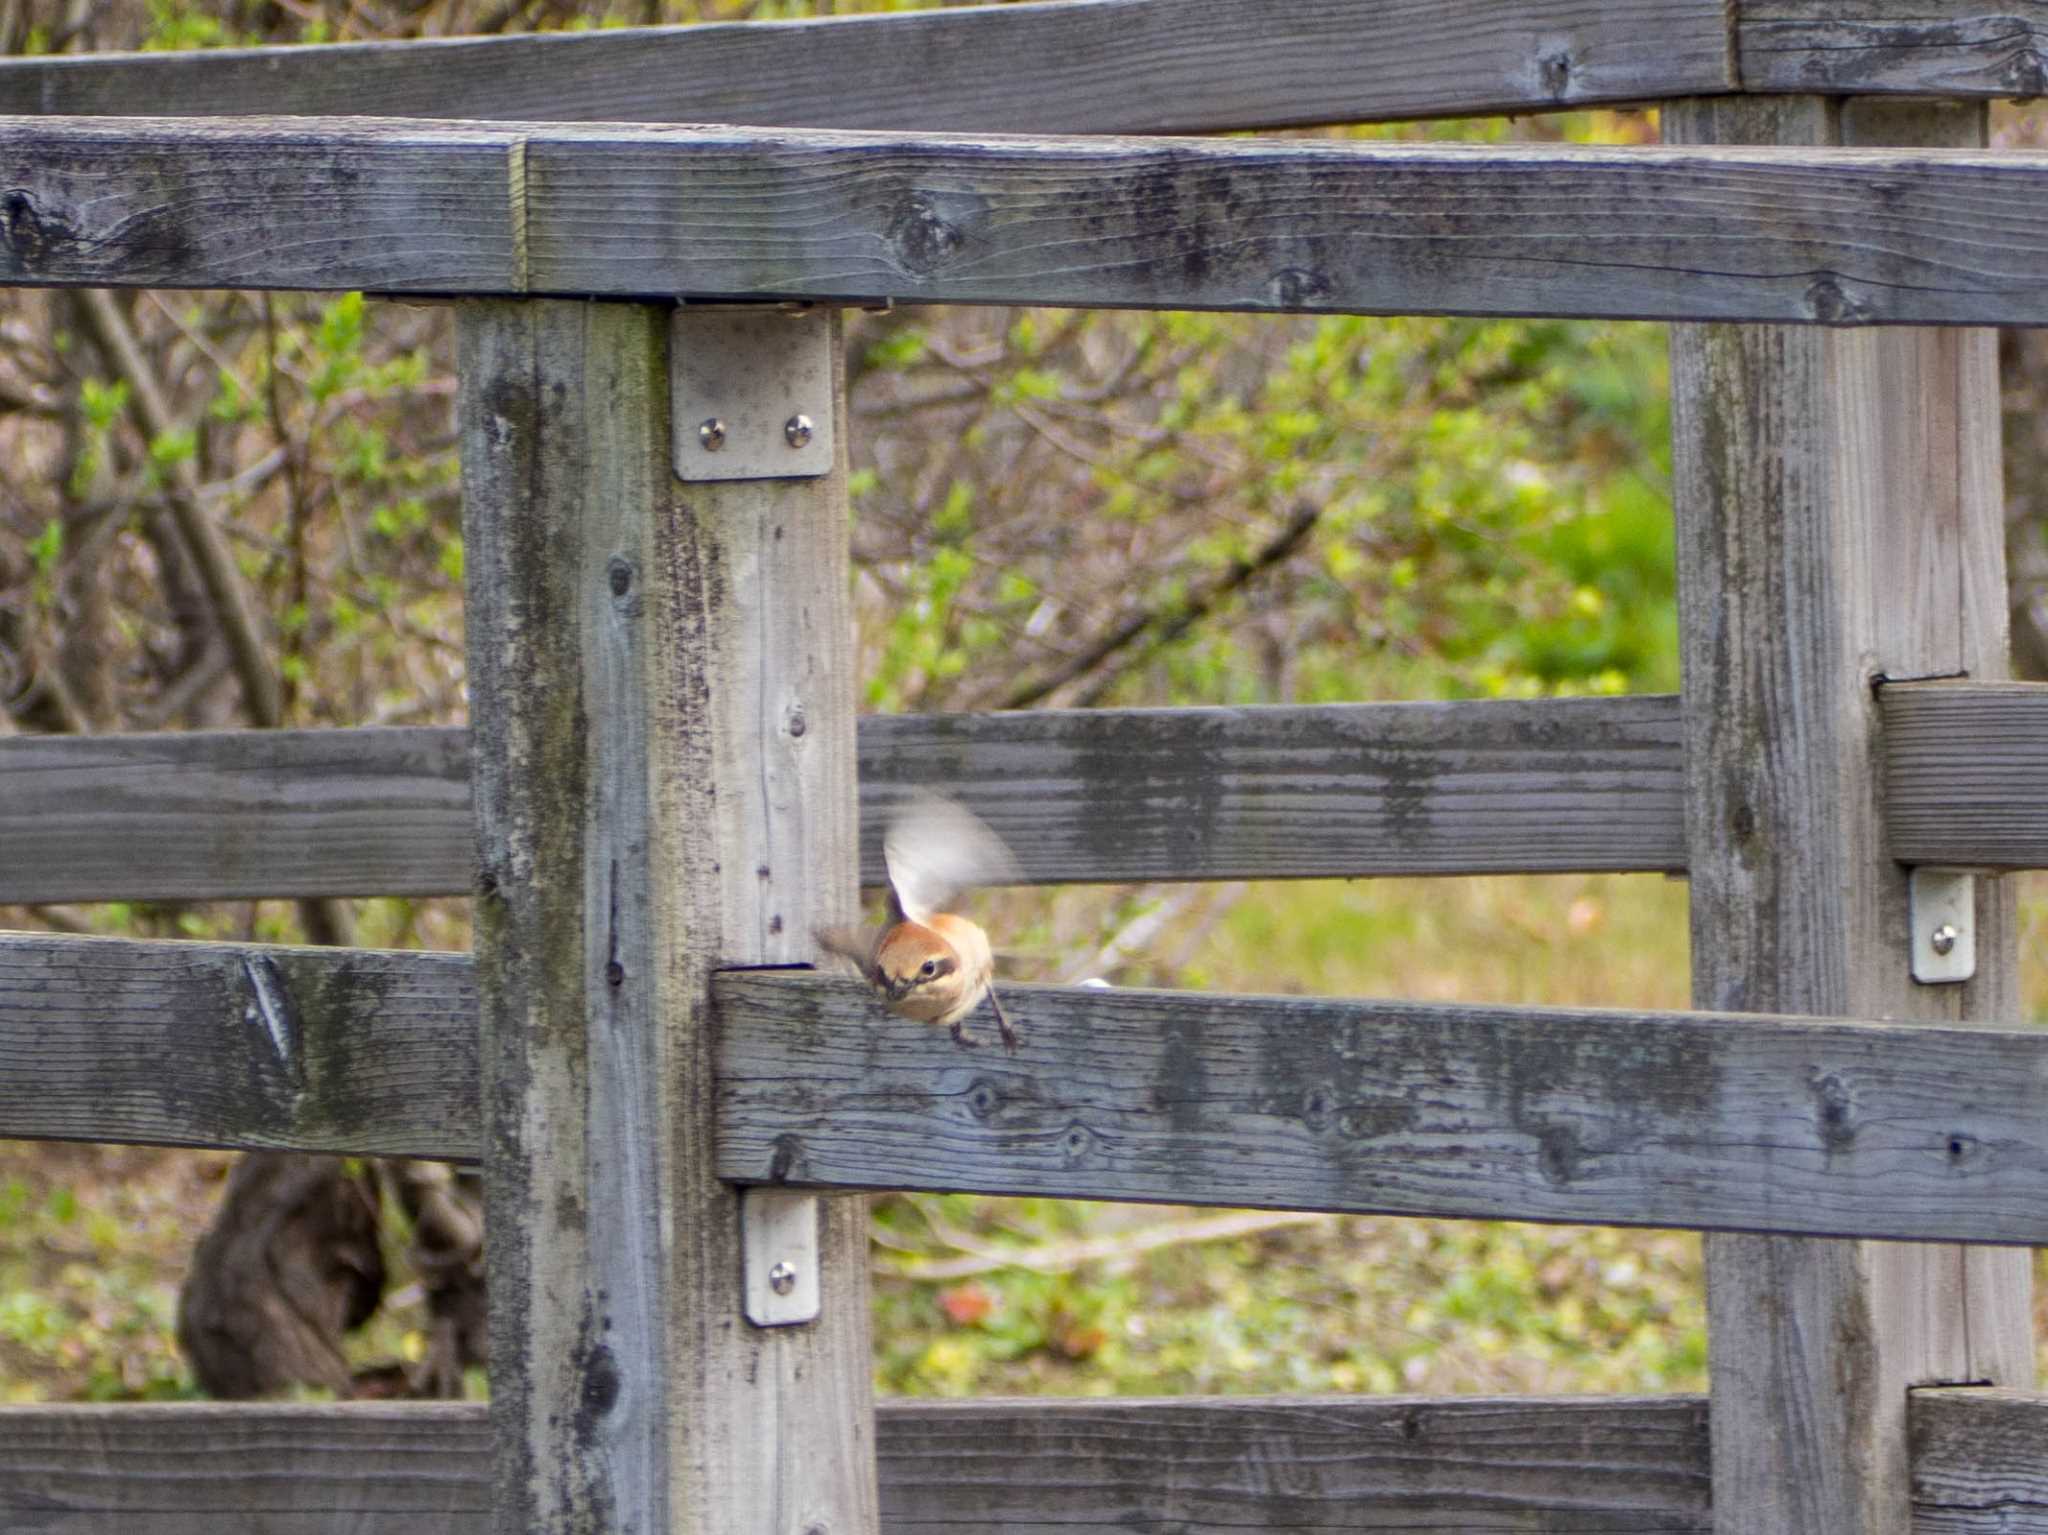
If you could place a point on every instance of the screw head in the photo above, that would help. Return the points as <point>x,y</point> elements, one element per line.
<point>782,1278</point>
<point>712,435</point>
<point>796,431</point>
<point>1943,938</point>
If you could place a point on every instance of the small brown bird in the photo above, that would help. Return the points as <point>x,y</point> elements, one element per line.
<point>929,964</point>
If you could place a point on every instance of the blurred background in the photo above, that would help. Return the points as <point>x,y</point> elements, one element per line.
<point>1051,509</point>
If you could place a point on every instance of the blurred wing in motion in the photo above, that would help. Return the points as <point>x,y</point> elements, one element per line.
<point>935,849</point>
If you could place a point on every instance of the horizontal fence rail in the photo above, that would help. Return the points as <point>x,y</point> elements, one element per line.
<point>200,1044</point>
<point>1826,236</point>
<point>1083,66</point>
<point>1729,1122</point>
<point>1203,1466</point>
<point>1082,796</point>
<point>1966,773</point>
<point>1096,66</point>
<point>1736,1122</point>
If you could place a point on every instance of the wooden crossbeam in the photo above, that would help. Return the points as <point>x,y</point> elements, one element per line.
<point>1084,66</point>
<point>1604,1465</point>
<point>1082,796</point>
<point>1677,1119</point>
<point>1812,236</point>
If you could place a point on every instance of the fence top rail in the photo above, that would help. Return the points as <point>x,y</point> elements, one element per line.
<point>1096,66</point>
<point>1078,66</point>
<point>1829,236</point>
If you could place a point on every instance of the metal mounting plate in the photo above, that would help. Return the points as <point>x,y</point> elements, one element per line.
<point>751,393</point>
<point>1943,914</point>
<point>779,1257</point>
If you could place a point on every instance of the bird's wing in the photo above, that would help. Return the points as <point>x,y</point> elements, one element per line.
<point>935,849</point>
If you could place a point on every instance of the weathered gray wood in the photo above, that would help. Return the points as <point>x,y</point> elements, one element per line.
<point>1087,795</point>
<point>1833,495</point>
<point>1085,66</point>
<point>1201,1466</point>
<point>664,782</point>
<point>1737,233</point>
<point>201,1044</point>
<point>1965,769</point>
<point>1676,1119</point>
<point>1980,1462</point>
<point>227,815</point>
<point>1705,1121</point>
<point>1920,47</point>
<point>1081,796</point>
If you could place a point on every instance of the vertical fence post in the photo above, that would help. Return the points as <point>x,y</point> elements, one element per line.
<point>662,710</point>
<point>1838,523</point>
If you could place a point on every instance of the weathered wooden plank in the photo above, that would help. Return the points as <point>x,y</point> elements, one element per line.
<point>1965,767</point>
<point>227,815</point>
<point>1827,235</point>
<point>1676,1119</point>
<point>1980,1461</point>
<point>1839,521</point>
<point>1919,47</point>
<point>664,782</point>
<point>1082,796</point>
<point>1625,1465</point>
<point>1095,795</point>
<point>1707,1121</point>
<point>1203,1466</point>
<point>201,1044</point>
<point>1085,66</point>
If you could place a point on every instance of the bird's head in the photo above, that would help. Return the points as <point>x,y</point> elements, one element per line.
<point>917,970</point>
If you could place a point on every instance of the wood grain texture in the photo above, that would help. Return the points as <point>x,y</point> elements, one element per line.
<point>1672,1119</point>
<point>1965,764</point>
<point>1827,235</point>
<point>1214,1466</point>
<point>1712,1121</point>
<point>1832,491</point>
<point>1980,1462</point>
<point>229,815</point>
<point>664,743</point>
<point>1081,796</point>
<point>1096,66</point>
<point>201,1044</point>
<point>1374,1466</point>
<point>1843,47</point>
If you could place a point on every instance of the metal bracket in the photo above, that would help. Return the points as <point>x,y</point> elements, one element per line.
<point>1942,908</point>
<point>751,393</point>
<point>779,1257</point>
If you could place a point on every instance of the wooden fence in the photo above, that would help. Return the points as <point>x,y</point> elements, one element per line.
<point>665,788</point>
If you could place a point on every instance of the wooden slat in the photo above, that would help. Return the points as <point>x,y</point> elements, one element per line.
<point>200,1044</point>
<point>1209,1466</point>
<point>1730,233</point>
<point>1084,66</point>
<point>1713,1121</point>
<point>1919,47</point>
<point>1199,1466</point>
<point>1980,1462</point>
<point>228,815</point>
<point>1081,796</point>
<point>1966,773</point>
<point>1676,1119</point>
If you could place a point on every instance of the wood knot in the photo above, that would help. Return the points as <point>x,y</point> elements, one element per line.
<point>2025,76</point>
<point>1828,304</point>
<point>1297,288</point>
<point>923,240</point>
<point>31,233</point>
<point>1555,70</point>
